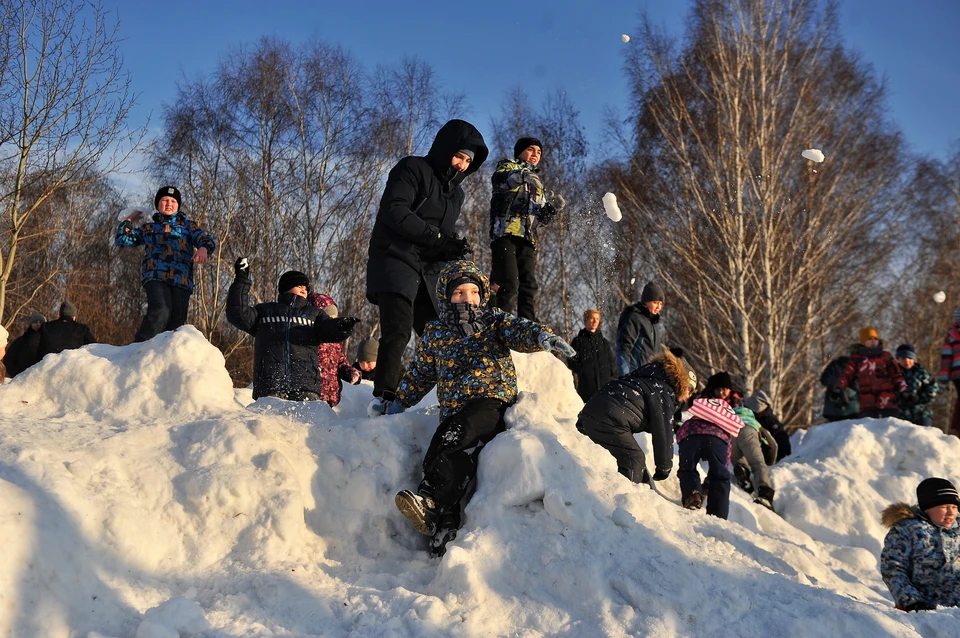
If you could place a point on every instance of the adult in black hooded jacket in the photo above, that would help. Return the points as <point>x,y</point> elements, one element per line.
<point>642,401</point>
<point>413,237</point>
<point>286,335</point>
<point>64,333</point>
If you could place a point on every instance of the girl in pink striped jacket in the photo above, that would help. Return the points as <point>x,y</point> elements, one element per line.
<point>706,436</point>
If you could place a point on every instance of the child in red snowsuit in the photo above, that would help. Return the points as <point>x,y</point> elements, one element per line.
<point>331,357</point>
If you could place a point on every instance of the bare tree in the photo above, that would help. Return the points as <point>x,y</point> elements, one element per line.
<point>63,111</point>
<point>765,252</point>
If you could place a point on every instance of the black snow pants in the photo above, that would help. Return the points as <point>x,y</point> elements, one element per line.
<point>514,270</point>
<point>609,425</point>
<point>450,464</point>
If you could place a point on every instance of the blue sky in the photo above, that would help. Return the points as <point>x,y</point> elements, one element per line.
<point>484,49</point>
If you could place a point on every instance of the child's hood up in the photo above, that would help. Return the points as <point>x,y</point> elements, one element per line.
<point>457,268</point>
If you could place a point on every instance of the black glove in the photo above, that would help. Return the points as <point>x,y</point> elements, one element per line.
<point>241,267</point>
<point>452,248</point>
<point>547,213</point>
<point>661,475</point>
<point>838,396</point>
<point>906,398</point>
<point>920,605</point>
<point>346,324</point>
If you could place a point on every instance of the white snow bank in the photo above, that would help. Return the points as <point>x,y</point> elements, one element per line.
<point>278,520</point>
<point>175,372</point>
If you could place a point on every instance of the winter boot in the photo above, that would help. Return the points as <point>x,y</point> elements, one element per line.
<point>765,497</point>
<point>419,510</point>
<point>448,522</point>
<point>743,477</point>
<point>693,501</point>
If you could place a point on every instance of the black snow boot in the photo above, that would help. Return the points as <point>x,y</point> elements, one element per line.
<point>742,474</point>
<point>419,509</point>
<point>765,497</point>
<point>448,523</point>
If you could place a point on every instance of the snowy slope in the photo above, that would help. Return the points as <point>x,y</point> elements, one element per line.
<point>141,495</point>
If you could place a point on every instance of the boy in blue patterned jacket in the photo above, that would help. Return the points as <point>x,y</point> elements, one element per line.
<point>466,355</point>
<point>920,561</point>
<point>167,270</point>
<point>920,384</point>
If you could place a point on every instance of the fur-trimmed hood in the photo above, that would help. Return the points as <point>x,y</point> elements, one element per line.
<point>896,512</point>
<point>679,374</point>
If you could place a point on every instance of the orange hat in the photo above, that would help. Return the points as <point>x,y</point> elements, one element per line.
<point>868,333</point>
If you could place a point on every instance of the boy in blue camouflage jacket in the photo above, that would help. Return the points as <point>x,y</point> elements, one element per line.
<point>466,355</point>
<point>173,244</point>
<point>920,385</point>
<point>920,560</point>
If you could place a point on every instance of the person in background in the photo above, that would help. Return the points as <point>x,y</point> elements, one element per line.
<point>331,358</point>
<point>762,406</point>
<point>64,333</point>
<point>706,435</point>
<point>21,352</point>
<point>518,207</point>
<point>838,407</point>
<point>286,332</point>
<point>639,331</point>
<point>366,361</point>
<point>919,383</point>
<point>173,244</point>
<point>950,369</point>
<point>920,560</point>
<point>594,364</point>
<point>3,353</point>
<point>413,237</point>
<point>642,401</point>
<point>751,452</point>
<point>880,386</point>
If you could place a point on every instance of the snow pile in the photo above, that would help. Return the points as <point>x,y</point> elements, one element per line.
<point>177,372</point>
<point>126,519</point>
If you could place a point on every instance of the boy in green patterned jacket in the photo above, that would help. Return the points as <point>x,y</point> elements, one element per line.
<point>466,355</point>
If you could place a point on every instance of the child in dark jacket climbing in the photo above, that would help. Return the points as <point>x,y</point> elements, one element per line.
<point>920,560</point>
<point>706,435</point>
<point>466,355</point>
<point>642,401</point>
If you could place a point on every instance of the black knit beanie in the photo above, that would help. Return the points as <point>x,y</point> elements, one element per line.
<point>651,292</point>
<point>464,278</point>
<point>292,279</point>
<point>167,191</point>
<point>523,143</point>
<point>933,492</point>
<point>720,380</point>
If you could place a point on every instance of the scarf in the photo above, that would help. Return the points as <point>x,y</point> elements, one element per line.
<point>465,318</point>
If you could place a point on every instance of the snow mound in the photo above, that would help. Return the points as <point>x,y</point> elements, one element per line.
<point>175,372</point>
<point>277,519</point>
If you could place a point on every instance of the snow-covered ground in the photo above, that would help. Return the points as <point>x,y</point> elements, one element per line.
<point>141,495</point>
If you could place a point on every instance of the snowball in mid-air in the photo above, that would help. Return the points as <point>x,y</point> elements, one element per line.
<point>940,297</point>
<point>610,207</point>
<point>813,154</point>
<point>127,212</point>
<point>633,280</point>
<point>625,37</point>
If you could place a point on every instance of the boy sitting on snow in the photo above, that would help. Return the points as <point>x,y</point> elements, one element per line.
<point>920,561</point>
<point>466,354</point>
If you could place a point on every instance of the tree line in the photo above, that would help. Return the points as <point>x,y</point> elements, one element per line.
<point>771,262</point>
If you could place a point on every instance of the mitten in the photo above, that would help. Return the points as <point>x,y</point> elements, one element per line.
<point>453,248</point>
<point>241,268</point>
<point>553,343</point>
<point>345,325</point>
<point>547,213</point>
<point>920,605</point>
<point>906,398</point>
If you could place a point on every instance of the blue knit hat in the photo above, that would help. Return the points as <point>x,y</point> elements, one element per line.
<point>906,351</point>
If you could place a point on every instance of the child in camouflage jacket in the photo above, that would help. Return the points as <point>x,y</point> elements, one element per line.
<point>466,355</point>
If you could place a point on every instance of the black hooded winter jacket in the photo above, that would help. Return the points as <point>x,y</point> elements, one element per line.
<point>421,200</point>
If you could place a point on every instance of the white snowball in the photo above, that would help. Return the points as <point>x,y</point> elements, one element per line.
<point>633,280</point>
<point>130,210</point>
<point>813,154</point>
<point>625,37</point>
<point>610,207</point>
<point>940,297</point>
